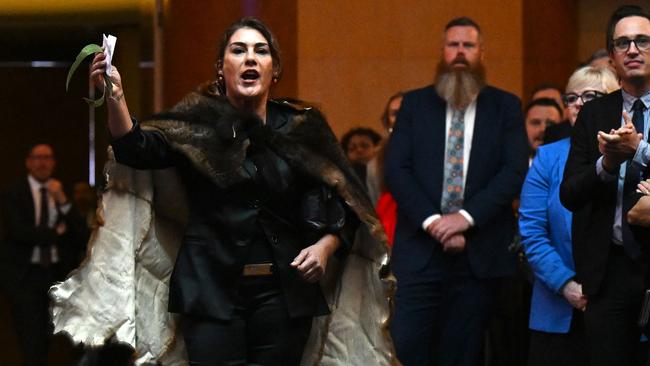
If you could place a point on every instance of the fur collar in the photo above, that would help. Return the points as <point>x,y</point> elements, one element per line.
<point>214,137</point>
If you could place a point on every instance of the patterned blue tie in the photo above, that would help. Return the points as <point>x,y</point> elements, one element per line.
<point>452,187</point>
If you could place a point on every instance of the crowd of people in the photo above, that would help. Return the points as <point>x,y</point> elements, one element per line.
<point>287,248</point>
<point>579,229</point>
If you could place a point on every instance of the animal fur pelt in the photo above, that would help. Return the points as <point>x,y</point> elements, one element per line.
<point>120,291</point>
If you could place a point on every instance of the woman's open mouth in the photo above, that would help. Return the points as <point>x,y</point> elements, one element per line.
<point>250,76</point>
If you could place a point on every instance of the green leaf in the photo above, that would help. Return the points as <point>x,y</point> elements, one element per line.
<point>108,91</point>
<point>85,52</point>
<point>95,102</point>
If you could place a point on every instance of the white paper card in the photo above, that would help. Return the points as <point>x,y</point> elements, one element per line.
<point>109,47</point>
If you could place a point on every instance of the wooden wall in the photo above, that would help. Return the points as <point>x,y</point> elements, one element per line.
<point>192,32</point>
<point>592,18</point>
<point>549,42</point>
<point>355,54</point>
<point>35,108</point>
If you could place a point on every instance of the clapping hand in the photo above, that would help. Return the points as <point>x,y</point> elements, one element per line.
<point>618,145</point>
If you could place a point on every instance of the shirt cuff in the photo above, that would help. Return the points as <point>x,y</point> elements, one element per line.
<point>467,217</point>
<point>429,220</point>
<point>642,155</point>
<point>603,174</point>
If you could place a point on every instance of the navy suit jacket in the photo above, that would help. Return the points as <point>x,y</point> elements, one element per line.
<point>497,167</point>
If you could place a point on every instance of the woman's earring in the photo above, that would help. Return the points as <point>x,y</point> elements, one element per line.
<point>221,87</point>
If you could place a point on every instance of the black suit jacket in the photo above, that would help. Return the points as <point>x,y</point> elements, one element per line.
<point>592,201</point>
<point>497,167</point>
<point>22,235</point>
<point>224,223</point>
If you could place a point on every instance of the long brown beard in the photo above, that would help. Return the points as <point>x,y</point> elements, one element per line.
<point>459,87</point>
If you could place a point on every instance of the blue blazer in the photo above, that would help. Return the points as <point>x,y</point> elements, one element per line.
<point>545,227</point>
<point>496,170</point>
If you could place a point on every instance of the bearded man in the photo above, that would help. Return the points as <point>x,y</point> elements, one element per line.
<point>456,160</point>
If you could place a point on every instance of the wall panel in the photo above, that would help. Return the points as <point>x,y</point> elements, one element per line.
<point>354,54</point>
<point>549,43</point>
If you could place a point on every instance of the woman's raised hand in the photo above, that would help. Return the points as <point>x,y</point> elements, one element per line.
<point>119,119</point>
<point>97,70</point>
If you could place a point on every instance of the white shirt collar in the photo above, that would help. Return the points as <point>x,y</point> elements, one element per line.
<point>34,184</point>
<point>629,99</point>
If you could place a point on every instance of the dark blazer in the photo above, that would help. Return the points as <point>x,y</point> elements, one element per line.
<point>497,168</point>
<point>592,201</point>
<point>22,235</point>
<point>224,223</point>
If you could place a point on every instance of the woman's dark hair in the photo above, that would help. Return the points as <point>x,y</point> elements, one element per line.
<point>360,131</point>
<point>258,25</point>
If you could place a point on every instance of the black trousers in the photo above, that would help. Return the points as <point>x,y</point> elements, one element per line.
<point>30,315</point>
<point>559,349</point>
<point>441,313</point>
<point>611,315</point>
<point>259,333</point>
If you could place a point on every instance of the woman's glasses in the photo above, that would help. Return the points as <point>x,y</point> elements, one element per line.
<point>589,95</point>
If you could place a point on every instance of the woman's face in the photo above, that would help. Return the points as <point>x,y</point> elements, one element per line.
<point>575,107</point>
<point>393,108</point>
<point>247,65</point>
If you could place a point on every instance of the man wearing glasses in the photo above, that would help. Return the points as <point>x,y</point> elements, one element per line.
<point>44,237</point>
<point>609,156</point>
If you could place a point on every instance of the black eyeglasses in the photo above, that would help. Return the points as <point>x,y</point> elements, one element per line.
<point>622,44</point>
<point>589,95</point>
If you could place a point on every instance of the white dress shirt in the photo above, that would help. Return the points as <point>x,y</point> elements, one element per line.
<point>35,187</point>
